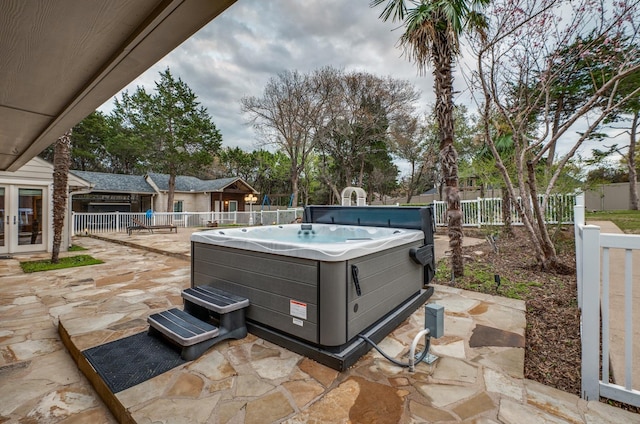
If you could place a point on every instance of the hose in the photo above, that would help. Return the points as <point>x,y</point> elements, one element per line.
<point>411,362</point>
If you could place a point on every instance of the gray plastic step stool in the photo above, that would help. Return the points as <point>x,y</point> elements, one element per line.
<point>190,328</point>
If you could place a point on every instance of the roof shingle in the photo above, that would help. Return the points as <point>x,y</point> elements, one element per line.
<point>104,182</point>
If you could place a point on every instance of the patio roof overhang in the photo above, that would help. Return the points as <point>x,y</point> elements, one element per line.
<point>61,60</point>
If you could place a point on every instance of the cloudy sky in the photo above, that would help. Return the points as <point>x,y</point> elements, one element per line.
<point>253,40</point>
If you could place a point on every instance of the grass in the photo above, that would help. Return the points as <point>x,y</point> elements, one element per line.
<point>76,248</point>
<point>479,277</point>
<point>627,220</point>
<point>69,262</point>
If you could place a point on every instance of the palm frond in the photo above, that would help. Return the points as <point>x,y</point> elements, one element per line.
<point>432,21</point>
<point>454,12</point>
<point>395,9</point>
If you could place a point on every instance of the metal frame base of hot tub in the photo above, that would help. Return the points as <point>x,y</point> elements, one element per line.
<point>342,357</point>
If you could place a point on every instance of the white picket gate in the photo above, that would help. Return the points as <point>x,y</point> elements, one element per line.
<point>606,280</point>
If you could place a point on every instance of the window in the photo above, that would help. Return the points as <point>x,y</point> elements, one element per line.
<point>177,206</point>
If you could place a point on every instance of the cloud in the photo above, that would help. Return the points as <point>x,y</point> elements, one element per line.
<point>237,53</point>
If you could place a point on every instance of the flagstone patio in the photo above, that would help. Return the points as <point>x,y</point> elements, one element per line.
<point>478,378</point>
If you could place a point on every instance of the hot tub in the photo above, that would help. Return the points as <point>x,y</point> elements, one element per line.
<point>320,284</point>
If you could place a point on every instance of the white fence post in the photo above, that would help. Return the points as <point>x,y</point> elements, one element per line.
<point>578,223</point>
<point>590,314</point>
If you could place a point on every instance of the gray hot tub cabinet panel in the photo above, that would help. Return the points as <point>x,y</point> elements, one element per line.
<point>256,261</point>
<point>332,303</point>
<point>386,279</point>
<point>304,329</point>
<point>270,282</point>
<point>297,278</point>
<point>309,299</point>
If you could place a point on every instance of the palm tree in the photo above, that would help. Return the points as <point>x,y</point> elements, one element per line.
<point>61,161</point>
<point>431,38</point>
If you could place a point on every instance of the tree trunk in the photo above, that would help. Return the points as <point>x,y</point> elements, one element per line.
<point>172,191</point>
<point>443,58</point>
<point>506,212</point>
<point>523,207</point>
<point>61,160</point>
<point>294,188</point>
<point>554,130</point>
<point>361,173</point>
<point>633,177</point>
<point>411,182</point>
<point>325,177</point>
<point>549,260</point>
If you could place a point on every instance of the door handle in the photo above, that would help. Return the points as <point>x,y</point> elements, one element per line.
<point>14,219</point>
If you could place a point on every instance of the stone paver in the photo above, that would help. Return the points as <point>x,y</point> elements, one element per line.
<point>251,380</point>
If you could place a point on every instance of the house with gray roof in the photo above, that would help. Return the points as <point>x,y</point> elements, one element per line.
<point>138,193</point>
<point>26,208</point>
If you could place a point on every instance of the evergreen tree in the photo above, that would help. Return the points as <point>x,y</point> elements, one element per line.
<point>176,133</point>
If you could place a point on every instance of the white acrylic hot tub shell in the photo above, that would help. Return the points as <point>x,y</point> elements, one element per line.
<point>280,240</point>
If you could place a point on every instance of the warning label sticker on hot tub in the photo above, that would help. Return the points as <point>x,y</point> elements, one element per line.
<point>298,309</point>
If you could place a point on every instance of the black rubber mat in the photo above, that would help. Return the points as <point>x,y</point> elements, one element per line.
<point>126,362</point>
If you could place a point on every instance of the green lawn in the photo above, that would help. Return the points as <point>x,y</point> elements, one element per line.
<point>627,221</point>
<point>70,262</point>
<point>76,248</point>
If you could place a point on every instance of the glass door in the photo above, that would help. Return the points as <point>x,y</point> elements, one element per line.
<point>24,218</point>
<point>233,208</point>
<point>29,216</point>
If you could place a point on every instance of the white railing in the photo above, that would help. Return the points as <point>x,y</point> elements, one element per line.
<point>605,277</point>
<point>113,222</point>
<point>488,211</point>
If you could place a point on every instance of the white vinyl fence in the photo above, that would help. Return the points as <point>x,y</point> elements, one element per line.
<point>488,211</point>
<point>475,213</point>
<point>606,280</point>
<point>110,222</point>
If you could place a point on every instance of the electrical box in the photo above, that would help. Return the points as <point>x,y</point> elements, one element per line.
<point>434,319</point>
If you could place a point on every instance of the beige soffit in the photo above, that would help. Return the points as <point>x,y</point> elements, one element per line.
<point>60,60</point>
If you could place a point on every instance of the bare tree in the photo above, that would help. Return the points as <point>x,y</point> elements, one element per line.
<point>519,69</point>
<point>61,161</point>
<point>412,143</point>
<point>354,138</point>
<point>287,116</point>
